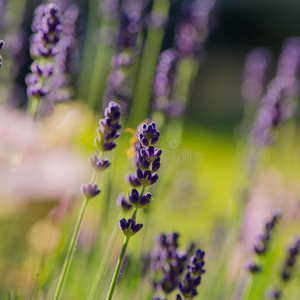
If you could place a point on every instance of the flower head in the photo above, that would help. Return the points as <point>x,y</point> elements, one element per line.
<point>130,227</point>
<point>90,190</point>
<point>109,127</point>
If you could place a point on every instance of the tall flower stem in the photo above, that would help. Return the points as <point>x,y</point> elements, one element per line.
<point>103,263</point>
<point>68,259</point>
<point>249,289</point>
<point>122,254</point>
<point>117,269</point>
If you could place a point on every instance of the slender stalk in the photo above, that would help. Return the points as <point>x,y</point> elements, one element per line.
<point>117,269</point>
<point>33,107</point>
<point>122,254</point>
<point>248,292</point>
<point>68,259</point>
<point>71,249</point>
<point>103,265</point>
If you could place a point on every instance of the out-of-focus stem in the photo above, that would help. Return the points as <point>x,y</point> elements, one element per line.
<point>69,257</point>
<point>143,88</point>
<point>100,70</point>
<point>103,265</point>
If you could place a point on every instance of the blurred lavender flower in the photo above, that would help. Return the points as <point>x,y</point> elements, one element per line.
<point>289,60</point>
<point>194,27</point>
<point>123,203</point>
<point>66,62</point>
<point>256,70</point>
<point>1,46</point>
<point>90,190</point>
<point>287,269</point>
<point>264,240</point>
<point>164,81</point>
<point>192,279</point>
<point>119,85</point>
<point>278,103</point>
<point>47,29</point>
<point>290,262</point>
<point>168,263</point>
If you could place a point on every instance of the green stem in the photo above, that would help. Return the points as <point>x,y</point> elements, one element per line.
<point>123,251</point>
<point>71,249</point>
<point>248,292</point>
<point>68,259</point>
<point>118,268</point>
<point>33,107</point>
<point>103,264</point>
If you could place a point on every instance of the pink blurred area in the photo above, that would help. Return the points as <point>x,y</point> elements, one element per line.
<point>31,167</point>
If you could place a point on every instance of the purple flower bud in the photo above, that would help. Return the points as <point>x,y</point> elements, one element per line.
<point>133,181</point>
<point>130,227</point>
<point>97,164</point>
<point>89,190</point>
<point>275,294</point>
<point>155,165</point>
<point>254,268</point>
<point>134,197</point>
<point>149,135</point>
<point>146,178</point>
<point>145,200</point>
<point>109,126</point>
<point>123,203</point>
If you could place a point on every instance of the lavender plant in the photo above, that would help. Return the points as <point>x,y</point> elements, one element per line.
<point>47,27</point>
<point>169,265</point>
<point>107,133</point>
<point>256,71</point>
<point>287,270</point>
<point>66,62</point>
<point>148,165</point>
<point>261,249</point>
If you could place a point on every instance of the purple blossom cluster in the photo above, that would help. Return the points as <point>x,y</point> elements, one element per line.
<point>66,62</point>
<point>148,163</point>
<point>289,264</point>
<point>109,128</point>
<point>277,103</point>
<point>256,71</point>
<point>108,132</point>
<point>47,28</point>
<point>164,83</point>
<point>188,287</point>
<point>264,240</point>
<point>287,269</point>
<point>119,83</point>
<point>194,28</point>
<point>168,263</point>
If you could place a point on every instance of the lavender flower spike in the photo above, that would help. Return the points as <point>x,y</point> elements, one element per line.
<point>109,127</point>
<point>192,279</point>
<point>149,161</point>
<point>47,28</point>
